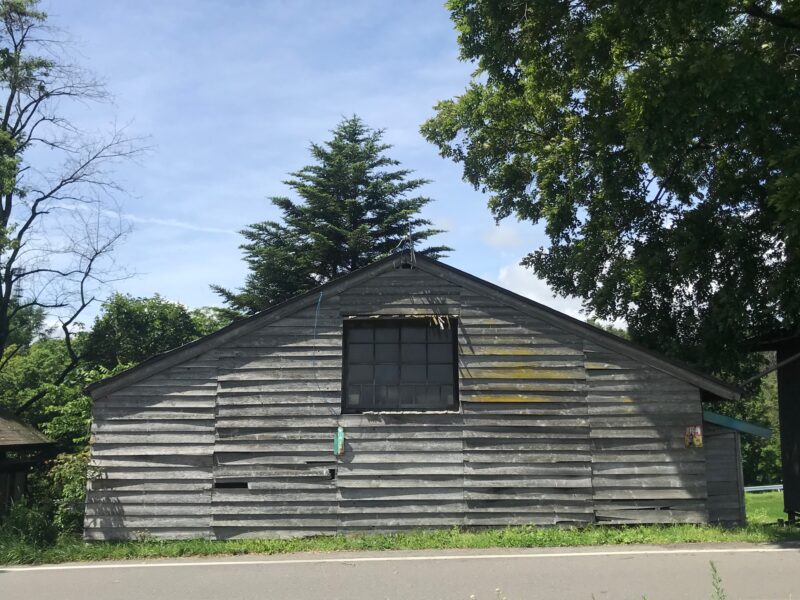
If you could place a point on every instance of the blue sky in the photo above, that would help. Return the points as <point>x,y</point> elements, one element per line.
<point>232,93</point>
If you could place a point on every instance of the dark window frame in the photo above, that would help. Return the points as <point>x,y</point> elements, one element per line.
<point>394,322</point>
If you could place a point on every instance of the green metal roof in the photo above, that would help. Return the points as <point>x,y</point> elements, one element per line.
<point>736,424</point>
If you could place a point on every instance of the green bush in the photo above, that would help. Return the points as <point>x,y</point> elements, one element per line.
<point>54,505</point>
<point>31,525</point>
<point>66,481</point>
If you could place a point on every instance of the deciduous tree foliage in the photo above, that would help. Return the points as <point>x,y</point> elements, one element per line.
<point>659,145</point>
<point>130,330</point>
<point>355,206</point>
<point>761,459</point>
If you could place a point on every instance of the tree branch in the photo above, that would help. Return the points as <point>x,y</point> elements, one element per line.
<point>756,11</point>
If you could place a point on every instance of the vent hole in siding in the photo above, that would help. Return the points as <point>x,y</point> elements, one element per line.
<point>332,474</point>
<point>230,485</point>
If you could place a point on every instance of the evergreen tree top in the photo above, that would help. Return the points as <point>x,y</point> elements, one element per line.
<point>355,205</point>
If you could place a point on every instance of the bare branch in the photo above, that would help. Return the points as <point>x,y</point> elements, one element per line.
<point>57,218</point>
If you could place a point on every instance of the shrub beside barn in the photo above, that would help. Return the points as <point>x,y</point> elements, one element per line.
<point>407,394</point>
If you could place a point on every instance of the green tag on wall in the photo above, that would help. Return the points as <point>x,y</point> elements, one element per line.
<point>338,441</point>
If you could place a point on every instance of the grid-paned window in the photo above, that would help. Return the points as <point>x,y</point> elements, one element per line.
<point>393,364</point>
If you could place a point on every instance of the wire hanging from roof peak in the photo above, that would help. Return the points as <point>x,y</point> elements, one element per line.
<point>405,252</point>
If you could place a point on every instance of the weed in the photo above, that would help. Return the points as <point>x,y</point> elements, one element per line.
<point>716,584</point>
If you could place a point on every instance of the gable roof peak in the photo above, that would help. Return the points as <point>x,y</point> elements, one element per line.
<point>709,384</point>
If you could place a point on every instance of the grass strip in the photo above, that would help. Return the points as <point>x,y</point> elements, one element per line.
<point>763,510</point>
<point>67,549</point>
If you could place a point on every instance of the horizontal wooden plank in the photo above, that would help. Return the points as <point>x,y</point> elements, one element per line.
<point>531,372</point>
<point>112,403</point>
<point>548,518</point>
<point>307,410</point>
<point>523,361</point>
<point>192,426</point>
<point>510,398</point>
<point>118,450</point>
<point>683,456</point>
<point>95,532</point>
<point>247,472</point>
<point>144,522</point>
<point>134,487</point>
<point>608,494</point>
<point>408,458</point>
<point>648,468</point>
<point>298,421</point>
<point>108,417</point>
<point>289,400</point>
<point>150,509</point>
<point>349,480</point>
<point>530,385</point>
<point>221,511</point>
<point>385,470</point>
<point>173,461</point>
<point>241,378</point>
<point>356,446</point>
<point>498,410</point>
<point>143,473</point>
<point>511,349</point>
<point>116,500</point>
<point>652,516</point>
<point>429,495</point>
<point>513,458</point>
<point>174,437</point>
<point>306,456</point>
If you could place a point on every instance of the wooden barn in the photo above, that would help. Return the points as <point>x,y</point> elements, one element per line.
<point>407,394</point>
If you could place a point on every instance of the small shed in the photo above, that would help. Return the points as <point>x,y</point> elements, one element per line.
<point>406,394</point>
<point>21,447</point>
<point>722,436</point>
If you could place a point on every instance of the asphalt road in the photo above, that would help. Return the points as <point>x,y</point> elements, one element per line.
<point>601,573</point>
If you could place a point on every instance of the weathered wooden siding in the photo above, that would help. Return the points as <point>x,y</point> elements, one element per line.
<point>526,434</point>
<point>641,471</point>
<point>497,461</point>
<point>551,429</point>
<point>278,400</point>
<point>152,448</point>
<point>724,472</point>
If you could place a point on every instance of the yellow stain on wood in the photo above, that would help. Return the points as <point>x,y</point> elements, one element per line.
<point>521,373</point>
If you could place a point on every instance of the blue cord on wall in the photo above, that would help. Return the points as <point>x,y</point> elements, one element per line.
<point>316,314</point>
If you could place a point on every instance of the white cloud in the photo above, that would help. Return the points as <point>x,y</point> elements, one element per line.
<point>522,281</point>
<point>177,224</point>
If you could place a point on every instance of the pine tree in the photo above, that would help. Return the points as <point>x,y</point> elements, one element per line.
<point>355,208</point>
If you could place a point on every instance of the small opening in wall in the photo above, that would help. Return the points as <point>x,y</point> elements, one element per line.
<point>332,474</point>
<point>230,485</point>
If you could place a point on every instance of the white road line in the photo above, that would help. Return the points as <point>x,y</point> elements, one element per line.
<point>371,559</point>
